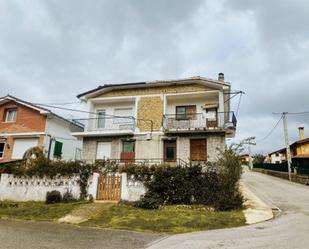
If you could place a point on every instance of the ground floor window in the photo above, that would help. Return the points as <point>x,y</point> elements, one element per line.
<point>2,144</point>
<point>104,150</point>
<point>198,150</point>
<point>169,150</point>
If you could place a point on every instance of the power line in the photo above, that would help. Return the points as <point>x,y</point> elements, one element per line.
<point>272,130</point>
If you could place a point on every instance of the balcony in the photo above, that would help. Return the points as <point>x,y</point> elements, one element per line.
<point>199,122</point>
<point>106,125</point>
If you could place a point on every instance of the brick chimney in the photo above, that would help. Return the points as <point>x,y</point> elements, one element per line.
<point>301,131</point>
<point>221,77</point>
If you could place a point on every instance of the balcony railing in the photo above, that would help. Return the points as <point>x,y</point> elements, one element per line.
<point>199,121</point>
<point>106,123</point>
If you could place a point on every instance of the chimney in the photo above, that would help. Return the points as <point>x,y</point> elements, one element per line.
<point>221,77</point>
<point>301,133</point>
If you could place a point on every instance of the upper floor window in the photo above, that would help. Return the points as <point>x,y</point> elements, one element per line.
<point>2,144</point>
<point>10,115</point>
<point>186,112</point>
<point>101,119</point>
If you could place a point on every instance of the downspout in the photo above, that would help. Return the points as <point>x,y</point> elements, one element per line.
<point>49,147</point>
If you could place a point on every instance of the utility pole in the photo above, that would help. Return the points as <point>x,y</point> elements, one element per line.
<point>250,158</point>
<point>287,145</point>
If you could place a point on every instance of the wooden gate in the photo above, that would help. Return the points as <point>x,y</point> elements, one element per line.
<point>109,188</point>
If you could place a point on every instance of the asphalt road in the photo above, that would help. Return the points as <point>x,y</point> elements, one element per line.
<point>289,230</point>
<point>41,235</point>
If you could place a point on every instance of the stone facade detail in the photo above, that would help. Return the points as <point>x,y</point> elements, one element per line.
<point>150,108</point>
<point>156,90</point>
<point>214,145</point>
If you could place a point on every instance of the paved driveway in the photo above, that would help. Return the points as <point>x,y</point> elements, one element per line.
<point>40,235</point>
<point>289,230</point>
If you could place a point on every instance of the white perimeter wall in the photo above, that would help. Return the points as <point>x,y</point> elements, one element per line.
<point>35,188</point>
<point>60,130</point>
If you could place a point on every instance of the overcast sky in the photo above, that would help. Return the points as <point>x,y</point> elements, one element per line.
<point>50,51</point>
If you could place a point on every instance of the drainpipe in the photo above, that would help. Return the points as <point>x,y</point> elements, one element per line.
<point>49,146</point>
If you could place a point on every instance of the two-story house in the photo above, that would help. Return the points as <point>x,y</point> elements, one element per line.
<point>299,151</point>
<point>159,121</point>
<point>24,125</point>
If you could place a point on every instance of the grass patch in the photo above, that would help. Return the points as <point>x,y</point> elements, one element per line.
<point>32,210</point>
<point>167,219</point>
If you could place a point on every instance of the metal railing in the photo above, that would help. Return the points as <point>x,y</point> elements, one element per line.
<point>143,161</point>
<point>106,123</point>
<point>199,121</point>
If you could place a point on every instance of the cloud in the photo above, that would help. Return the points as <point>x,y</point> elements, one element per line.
<point>52,50</point>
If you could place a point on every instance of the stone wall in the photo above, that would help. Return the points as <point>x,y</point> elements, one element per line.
<point>302,179</point>
<point>148,149</point>
<point>90,147</point>
<point>150,108</point>
<point>214,145</point>
<point>156,90</point>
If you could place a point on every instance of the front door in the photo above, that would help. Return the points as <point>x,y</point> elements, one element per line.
<point>198,150</point>
<point>169,150</point>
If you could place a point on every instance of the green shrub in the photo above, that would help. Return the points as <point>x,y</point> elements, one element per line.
<point>53,197</point>
<point>68,197</point>
<point>215,185</point>
<point>149,201</point>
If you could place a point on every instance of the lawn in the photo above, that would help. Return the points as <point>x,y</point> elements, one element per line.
<point>167,219</point>
<point>31,210</point>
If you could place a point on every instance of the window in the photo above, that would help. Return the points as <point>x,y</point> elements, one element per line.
<point>10,115</point>
<point>101,119</point>
<point>277,154</point>
<point>2,144</point>
<point>169,151</point>
<point>58,149</point>
<point>294,152</point>
<point>186,112</point>
<point>128,146</point>
<point>104,150</point>
<point>122,112</point>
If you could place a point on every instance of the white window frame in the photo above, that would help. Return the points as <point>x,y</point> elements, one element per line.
<point>8,111</point>
<point>98,118</point>
<point>123,120</point>
<point>1,156</point>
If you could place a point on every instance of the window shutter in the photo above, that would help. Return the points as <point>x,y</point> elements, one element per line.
<point>58,149</point>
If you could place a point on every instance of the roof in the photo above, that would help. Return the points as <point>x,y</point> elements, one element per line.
<point>133,85</point>
<point>298,142</point>
<point>42,110</point>
<point>302,141</point>
<point>278,151</point>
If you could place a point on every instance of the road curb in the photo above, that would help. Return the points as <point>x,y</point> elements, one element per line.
<point>257,211</point>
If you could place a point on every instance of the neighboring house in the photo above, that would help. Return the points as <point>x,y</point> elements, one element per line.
<point>245,159</point>
<point>166,120</point>
<point>24,125</point>
<point>278,156</point>
<point>299,150</point>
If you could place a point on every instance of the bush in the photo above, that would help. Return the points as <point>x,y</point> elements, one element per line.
<point>149,201</point>
<point>68,197</point>
<point>215,185</point>
<point>53,197</point>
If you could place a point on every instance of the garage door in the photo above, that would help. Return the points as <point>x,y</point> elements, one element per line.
<point>21,145</point>
<point>104,150</point>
